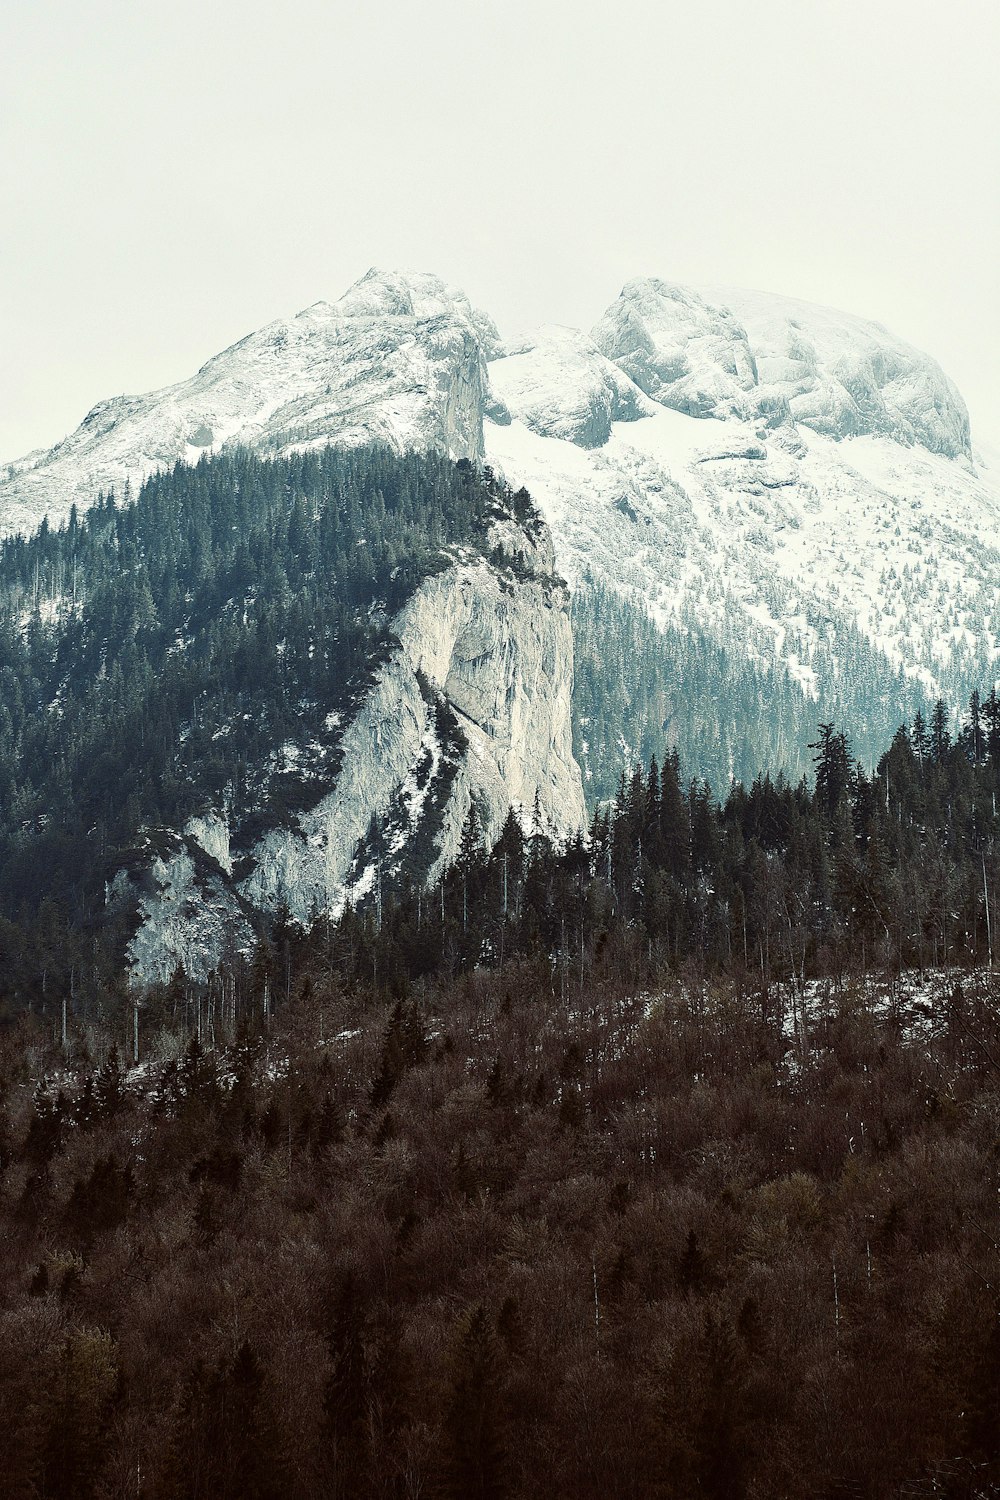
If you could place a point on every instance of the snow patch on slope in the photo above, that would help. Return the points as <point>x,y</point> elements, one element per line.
<point>709,520</point>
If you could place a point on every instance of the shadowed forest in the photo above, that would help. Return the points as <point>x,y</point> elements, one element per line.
<point>489,1240</point>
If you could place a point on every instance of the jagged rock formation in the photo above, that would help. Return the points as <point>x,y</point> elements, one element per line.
<point>683,352</point>
<point>560,385</point>
<point>189,916</point>
<point>844,377</point>
<point>760,358</point>
<point>496,652</point>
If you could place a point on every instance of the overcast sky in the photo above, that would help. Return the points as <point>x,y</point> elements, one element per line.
<point>174,175</point>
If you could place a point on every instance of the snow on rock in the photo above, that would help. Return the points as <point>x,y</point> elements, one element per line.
<point>803,471</point>
<point>560,385</point>
<point>846,377</point>
<point>752,356</point>
<point>188,917</point>
<point>714,521</point>
<point>681,350</point>
<point>399,359</point>
<point>211,833</point>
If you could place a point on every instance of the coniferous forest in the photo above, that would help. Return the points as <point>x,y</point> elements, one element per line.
<point>156,654</point>
<point>640,686</point>
<point>662,1164</point>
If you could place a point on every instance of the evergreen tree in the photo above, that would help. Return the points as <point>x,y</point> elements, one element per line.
<point>474,1458</point>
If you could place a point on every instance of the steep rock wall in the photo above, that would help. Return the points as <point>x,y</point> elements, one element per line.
<point>487,646</point>
<point>497,648</point>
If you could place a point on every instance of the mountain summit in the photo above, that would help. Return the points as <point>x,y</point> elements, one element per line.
<point>769,513</point>
<point>756,357</point>
<point>398,359</point>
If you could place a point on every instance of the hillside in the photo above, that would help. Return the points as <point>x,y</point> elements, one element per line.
<point>273,683</point>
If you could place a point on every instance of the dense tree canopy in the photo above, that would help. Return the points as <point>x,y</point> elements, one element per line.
<point>730,709</point>
<point>508,1237</point>
<point>894,869</point>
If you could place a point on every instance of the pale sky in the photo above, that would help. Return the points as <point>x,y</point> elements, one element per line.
<point>173,176</point>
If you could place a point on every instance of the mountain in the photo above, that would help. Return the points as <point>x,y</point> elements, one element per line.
<point>398,359</point>
<point>274,685</point>
<point>775,505</point>
<point>769,513</point>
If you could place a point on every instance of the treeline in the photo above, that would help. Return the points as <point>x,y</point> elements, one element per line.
<point>159,653</point>
<point>499,1241</point>
<point>889,870</point>
<point>858,872</point>
<point>729,704</point>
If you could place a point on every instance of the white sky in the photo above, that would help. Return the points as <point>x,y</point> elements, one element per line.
<point>173,175</point>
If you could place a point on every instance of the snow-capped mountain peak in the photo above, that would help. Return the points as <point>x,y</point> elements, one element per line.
<point>799,501</point>
<point>398,359</point>
<point>794,484</point>
<point>757,357</point>
<point>682,351</point>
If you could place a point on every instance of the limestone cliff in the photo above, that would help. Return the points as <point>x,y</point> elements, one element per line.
<point>497,651</point>
<point>473,706</point>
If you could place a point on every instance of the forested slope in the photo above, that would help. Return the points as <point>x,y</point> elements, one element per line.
<point>661,1163</point>
<point>497,1240</point>
<point>203,647</point>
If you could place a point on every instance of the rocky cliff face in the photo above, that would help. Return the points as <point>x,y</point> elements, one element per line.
<point>682,351</point>
<point>190,916</point>
<point>844,377</point>
<point>560,385</point>
<point>472,708</point>
<point>495,651</point>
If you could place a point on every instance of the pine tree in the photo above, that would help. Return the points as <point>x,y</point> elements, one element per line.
<point>474,1454</point>
<point>940,736</point>
<point>109,1087</point>
<point>832,760</point>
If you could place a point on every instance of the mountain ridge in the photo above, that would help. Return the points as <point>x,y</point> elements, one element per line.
<point>397,359</point>
<point>412,314</point>
<point>797,483</point>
